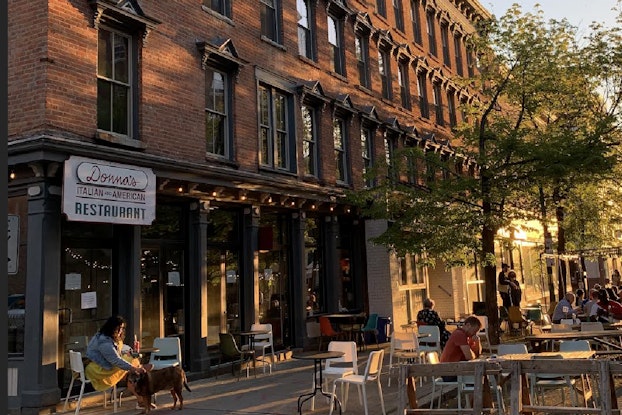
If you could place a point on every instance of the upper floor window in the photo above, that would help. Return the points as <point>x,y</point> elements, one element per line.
<point>361,48</point>
<point>399,15</point>
<point>367,154</point>
<point>458,52</point>
<point>339,145</point>
<point>115,89</point>
<point>404,84</point>
<point>217,110</point>
<point>470,63</point>
<point>445,45</point>
<point>384,67</point>
<point>431,28</point>
<point>438,104</point>
<point>275,136</point>
<point>381,8</point>
<point>422,89</point>
<point>335,39</point>
<point>306,29</point>
<point>270,16</point>
<point>390,146</point>
<point>219,6</point>
<point>415,17</point>
<point>451,108</point>
<point>309,140</point>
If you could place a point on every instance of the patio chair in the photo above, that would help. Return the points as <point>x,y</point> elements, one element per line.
<point>327,330</point>
<point>373,369</point>
<point>540,382</point>
<point>263,342</point>
<point>579,346</point>
<point>169,353</point>
<point>518,323</point>
<point>345,365</point>
<point>371,327</point>
<point>230,351</point>
<point>439,382</point>
<point>404,347</point>
<point>77,369</point>
<point>483,332</point>
<point>432,343</point>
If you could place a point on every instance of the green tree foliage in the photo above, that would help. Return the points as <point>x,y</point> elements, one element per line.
<point>538,121</point>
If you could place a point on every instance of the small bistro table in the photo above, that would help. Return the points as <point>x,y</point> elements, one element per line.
<point>317,358</point>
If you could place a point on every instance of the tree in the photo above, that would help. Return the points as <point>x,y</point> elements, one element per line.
<point>523,134</point>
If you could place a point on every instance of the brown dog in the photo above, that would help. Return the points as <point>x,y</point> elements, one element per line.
<point>148,383</point>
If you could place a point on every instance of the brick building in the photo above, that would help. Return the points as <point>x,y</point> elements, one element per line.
<point>184,164</point>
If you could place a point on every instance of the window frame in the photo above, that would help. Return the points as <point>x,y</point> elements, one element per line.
<point>431,31</point>
<point>403,69</point>
<point>130,85</point>
<point>228,110</point>
<point>337,57</point>
<point>271,30</point>
<point>381,8</point>
<point>437,94</point>
<point>384,70</point>
<point>398,11</point>
<point>458,55</point>
<point>422,89</point>
<point>341,152</point>
<point>310,162</point>
<point>361,50</point>
<point>310,31</point>
<point>287,145</point>
<point>415,17</point>
<point>451,109</point>
<point>445,44</point>
<point>367,153</point>
<point>223,10</point>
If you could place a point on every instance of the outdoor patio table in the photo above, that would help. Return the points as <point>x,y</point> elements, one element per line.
<point>537,340</point>
<point>317,358</point>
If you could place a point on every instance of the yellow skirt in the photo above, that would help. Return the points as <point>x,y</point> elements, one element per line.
<point>103,379</point>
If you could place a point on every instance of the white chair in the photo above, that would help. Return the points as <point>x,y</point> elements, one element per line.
<point>404,347</point>
<point>592,326</point>
<point>510,348</point>
<point>343,366</point>
<point>438,382</point>
<point>431,343</point>
<point>372,373</point>
<point>483,332</point>
<point>261,342</point>
<point>168,354</point>
<point>77,369</point>
<point>568,321</point>
<point>540,382</point>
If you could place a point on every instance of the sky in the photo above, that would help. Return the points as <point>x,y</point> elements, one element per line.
<point>580,13</point>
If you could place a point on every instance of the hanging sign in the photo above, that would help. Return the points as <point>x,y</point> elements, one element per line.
<point>108,192</point>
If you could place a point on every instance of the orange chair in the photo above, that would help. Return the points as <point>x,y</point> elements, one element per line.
<point>327,330</point>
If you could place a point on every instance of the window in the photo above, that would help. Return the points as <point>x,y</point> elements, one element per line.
<point>219,6</point>
<point>335,39</point>
<point>471,63</point>
<point>399,15</point>
<point>411,273</point>
<point>305,29</point>
<point>404,84</point>
<point>390,144</point>
<point>381,8</point>
<point>438,104</point>
<point>361,47</point>
<point>384,67</point>
<point>412,167</point>
<point>458,52</point>
<point>270,27</point>
<point>416,21</point>
<point>274,129</point>
<point>309,141</point>
<point>114,83</point>
<point>422,87</point>
<point>451,107</point>
<point>339,143</point>
<point>217,109</point>
<point>366,151</point>
<point>445,45</point>
<point>431,32</point>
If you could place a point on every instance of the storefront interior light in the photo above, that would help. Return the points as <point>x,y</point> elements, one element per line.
<point>180,189</point>
<point>12,175</point>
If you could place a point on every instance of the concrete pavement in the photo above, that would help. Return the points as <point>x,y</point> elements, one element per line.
<point>274,394</point>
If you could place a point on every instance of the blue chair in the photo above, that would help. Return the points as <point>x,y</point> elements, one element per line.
<point>370,327</point>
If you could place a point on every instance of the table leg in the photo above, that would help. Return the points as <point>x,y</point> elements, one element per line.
<point>317,386</point>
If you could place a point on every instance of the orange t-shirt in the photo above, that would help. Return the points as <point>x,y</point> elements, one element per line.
<point>452,351</point>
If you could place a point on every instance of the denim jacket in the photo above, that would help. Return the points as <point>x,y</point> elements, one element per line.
<point>103,351</point>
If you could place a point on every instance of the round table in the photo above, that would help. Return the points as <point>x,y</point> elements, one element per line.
<point>317,358</point>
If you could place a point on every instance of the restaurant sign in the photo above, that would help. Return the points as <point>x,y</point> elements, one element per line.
<point>107,192</point>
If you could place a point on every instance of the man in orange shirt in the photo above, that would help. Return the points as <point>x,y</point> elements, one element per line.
<point>463,344</point>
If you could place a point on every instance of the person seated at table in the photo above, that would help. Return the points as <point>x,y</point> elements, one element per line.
<point>579,299</point>
<point>592,300</point>
<point>606,309</point>
<point>429,317</point>
<point>463,344</point>
<point>564,308</point>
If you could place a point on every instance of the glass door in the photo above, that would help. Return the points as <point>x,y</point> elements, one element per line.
<point>162,293</point>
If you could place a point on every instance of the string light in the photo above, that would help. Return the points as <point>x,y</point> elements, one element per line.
<point>79,258</point>
<point>12,175</point>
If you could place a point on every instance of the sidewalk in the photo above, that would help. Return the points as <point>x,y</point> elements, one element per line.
<point>274,394</point>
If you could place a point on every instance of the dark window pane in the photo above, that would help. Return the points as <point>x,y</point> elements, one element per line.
<point>121,59</point>
<point>121,108</point>
<point>104,54</point>
<point>103,105</point>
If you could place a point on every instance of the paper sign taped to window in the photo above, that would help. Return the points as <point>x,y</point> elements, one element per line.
<point>73,281</point>
<point>88,300</point>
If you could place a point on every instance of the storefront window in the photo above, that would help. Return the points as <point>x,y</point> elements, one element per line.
<point>313,283</point>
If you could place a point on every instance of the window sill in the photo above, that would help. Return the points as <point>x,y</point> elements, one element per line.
<point>218,15</point>
<point>365,90</point>
<point>119,140</point>
<point>309,61</point>
<point>273,43</point>
<point>212,158</point>
<point>338,76</point>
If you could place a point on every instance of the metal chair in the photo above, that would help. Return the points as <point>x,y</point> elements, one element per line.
<point>168,354</point>
<point>77,369</point>
<point>551,381</point>
<point>230,351</point>
<point>432,343</point>
<point>373,369</point>
<point>263,342</point>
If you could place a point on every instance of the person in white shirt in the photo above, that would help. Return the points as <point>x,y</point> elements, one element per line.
<point>564,308</point>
